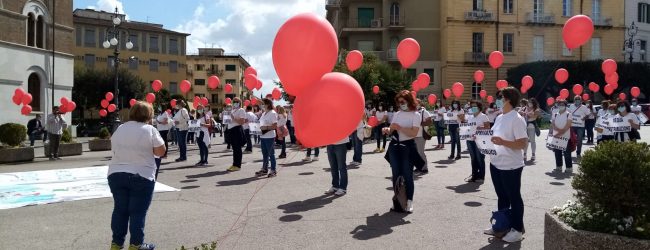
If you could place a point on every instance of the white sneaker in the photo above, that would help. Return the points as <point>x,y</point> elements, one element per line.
<point>307,159</point>
<point>315,158</point>
<point>354,163</point>
<point>488,231</point>
<point>332,190</point>
<point>568,171</point>
<point>409,206</point>
<point>513,236</point>
<point>340,192</point>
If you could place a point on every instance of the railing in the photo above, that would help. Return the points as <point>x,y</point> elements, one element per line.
<point>539,57</point>
<point>217,72</point>
<point>602,21</point>
<point>396,21</point>
<point>479,15</point>
<point>364,23</point>
<point>476,57</point>
<point>332,3</point>
<point>540,18</point>
<point>391,54</point>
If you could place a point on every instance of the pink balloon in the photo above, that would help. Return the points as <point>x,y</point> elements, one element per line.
<point>228,100</point>
<point>635,91</point>
<point>205,101</point>
<point>423,80</point>
<point>353,60</point>
<point>228,88</point>
<point>527,82</point>
<point>132,102</point>
<point>112,108</point>
<point>550,101</point>
<point>71,106</point>
<point>103,113</point>
<point>375,89</point>
<point>561,75</point>
<point>577,31</point>
<point>622,96</point>
<point>64,100</point>
<point>479,76</point>
<point>104,103</point>
<point>250,70</point>
<point>614,85</point>
<point>185,86</point>
<point>172,103</point>
<point>19,92</point>
<point>276,94</point>
<point>490,99</point>
<point>16,100</point>
<point>564,94</point>
<point>446,93</point>
<point>609,66</point>
<point>415,86</point>
<point>247,103</point>
<point>156,85</point>
<point>213,82</point>
<point>251,81</point>
<point>432,99</point>
<point>64,108</point>
<point>495,59</point>
<point>259,84</point>
<point>502,84</point>
<point>109,96</point>
<point>372,121</point>
<point>305,48</point>
<point>254,101</point>
<point>594,87</point>
<point>577,89</point>
<point>609,89</point>
<point>585,96</point>
<point>457,89</point>
<point>314,129</point>
<point>26,109</point>
<point>151,97</point>
<point>196,103</point>
<point>483,94</point>
<point>27,99</point>
<point>408,52</point>
<point>612,78</point>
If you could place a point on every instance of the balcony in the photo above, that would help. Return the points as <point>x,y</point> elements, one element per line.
<point>396,22</point>
<point>362,25</point>
<point>539,57</point>
<point>391,55</point>
<point>476,57</point>
<point>217,72</point>
<point>479,16</point>
<point>540,18</point>
<point>600,21</point>
<point>379,54</point>
<point>332,4</point>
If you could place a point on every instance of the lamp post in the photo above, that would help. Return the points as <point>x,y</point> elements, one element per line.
<point>113,36</point>
<point>630,44</point>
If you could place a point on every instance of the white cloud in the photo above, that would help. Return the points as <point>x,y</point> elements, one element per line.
<point>248,29</point>
<point>109,6</point>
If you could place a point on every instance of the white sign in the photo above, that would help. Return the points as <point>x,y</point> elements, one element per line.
<point>484,142</point>
<point>226,119</point>
<point>194,126</point>
<point>553,142</point>
<point>618,124</point>
<point>642,118</point>
<point>255,128</point>
<point>577,121</point>
<point>450,118</point>
<point>467,130</point>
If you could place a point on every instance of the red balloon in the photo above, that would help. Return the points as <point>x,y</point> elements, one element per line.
<point>104,103</point>
<point>324,97</point>
<point>479,76</point>
<point>276,94</point>
<point>132,102</point>
<point>246,103</point>
<point>71,106</point>
<point>612,78</point>
<point>577,31</point>
<point>305,48</point>
<point>196,104</point>
<point>172,103</point>
<point>496,59</point>
<point>615,85</point>
<point>109,96</point>
<point>609,89</point>
<point>432,99</point>
<point>609,66</point>
<point>375,89</point>
<point>16,99</point>
<point>415,86</point>
<point>577,89</point>
<point>64,100</point>
<point>550,101</point>
<point>527,82</point>
<point>151,97</point>
<point>251,81</point>
<point>585,96</point>
<point>19,92</point>
<point>372,121</point>
<point>561,75</point>
<point>205,101</point>
<point>254,101</point>
<point>64,108</point>
<point>594,87</point>
<point>502,84</point>
<point>112,108</point>
<point>457,89</point>
<point>490,99</point>
<point>26,109</point>
<point>635,91</point>
<point>446,93</point>
<point>103,113</point>
<point>564,94</point>
<point>228,88</point>
<point>185,86</point>
<point>27,99</point>
<point>250,70</point>
<point>213,82</point>
<point>483,94</point>
<point>408,52</point>
<point>423,80</point>
<point>353,60</point>
<point>259,84</point>
<point>228,100</point>
<point>156,85</point>
<point>622,96</point>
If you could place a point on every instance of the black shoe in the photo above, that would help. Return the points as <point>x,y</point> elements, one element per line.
<point>457,157</point>
<point>282,156</point>
<point>262,172</point>
<point>451,157</point>
<point>179,160</point>
<point>272,174</point>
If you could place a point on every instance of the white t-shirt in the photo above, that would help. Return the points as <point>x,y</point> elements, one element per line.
<point>282,120</point>
<point>406,119</point>
<point>628,117</point>
<point>344,141</point>
<point>440,113</point>
<point>635,108</point>
<point>161,118</point>
<point>380,115</point>
<point>132,145</point>
<point>480,120</point>
<point>390,116</point>
<point>592,113</point>
<point>510,127</point>
<point>290,116</point>
<point>267,119</point>
<point>560,120</point>
<point>182,117</point>
<point>492,114</point>
<point>236,114</point>
<point>423,113</point>
<point>578,113</point>
<point>453,116</point>
<point>252,118</point>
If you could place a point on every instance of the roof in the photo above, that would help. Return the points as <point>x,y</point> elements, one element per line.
<point>83,16</point>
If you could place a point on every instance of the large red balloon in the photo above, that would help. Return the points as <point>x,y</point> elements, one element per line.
<point>496,59</point>
<point>408,52</point>
<point>612,78</point>
<point>64,100</point>
<point>305,48</point>
<point>156,85</point>
<point>251,81</point>
<point>375,89</point>
<point>132,102</point>
<point>609,66</point>
<point>64,108</point>
<point>185,86</point>
<point>151,97</point>
<point>228,100</point>
<point>594,87</point>
<point>527,82</point>
<point>609,89</point>
<point>564,94</point>
<point>523,89</point>
<point>103,113</point>
<point>324,97</point>
<point>276,94</point>
<point>415,86</point>
<point>502,84</point>
<point>259,84</point>
<point>104,103</point>
<point>424,80</point>
<point>479,76</point>
<point>577,31</point>
<point>585,96</point>
<point>26,110</point>
<point>254,101</point>
<point>27,99</point>
<point>18,93</point>
<point>71,106</point>
<point>622,96</point>
<point>457,89</point>
<point>109,96</point>
<point>228,88</point>
<point>446,93</point>
<point>550,101</point>
<point>635,91</point>
<point>353,60</point>
<point>372,121</point>
<point>112,108</point>
<point>561,75</point>
<point>432,99</point>
<point>17,99</point>
<point>250,70</point>
<point>213,82</point>
<point>205,101</point>
<point>483,94</point>
<point>490,99</point>
<point>577,89</point>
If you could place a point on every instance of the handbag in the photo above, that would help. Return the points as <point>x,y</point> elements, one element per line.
<point>425,133</point>
<point>573,141</point>
<point>500,221</point>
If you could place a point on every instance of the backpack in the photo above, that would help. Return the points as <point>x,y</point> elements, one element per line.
<point>399,199</point>
<point>500,221</point>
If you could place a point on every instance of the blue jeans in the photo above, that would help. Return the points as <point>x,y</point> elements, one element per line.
<point>158,162</point>
<point>181,140</point>
<point>567,158</point>
<point>478,160</point>
<point>203,148</point>
<point>357,144</point>
<point>507,184</point>
<point>400,165</point>
<point>580,132</point>
<point>292,134</point>
<point>32,137</point>
<point>316,152</point>
<point>455,139</point>
<point>336,155</point>
<point>440,133</point>
<point>249,142</point>
<point>379,135</point>
<point>132,196</point>
<point>268,153</point>
<point>163,134</point>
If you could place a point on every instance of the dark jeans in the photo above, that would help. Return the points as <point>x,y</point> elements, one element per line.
<point>181,139</point>
<point>604,138</point>
<point>163,134</point>
<point>158,162</point>
<point>589,127</point>
<point>32,137</point>
<point>357,144</point>
<point>316,152</point>
<point>478,160</point>
<point>379,135</point>
<point>400,165</point>
<point>203,148</point>
<point>190,137</point>
<point>336,155</point>
<point>249,143</point>
<point>507,184</point>
<point>236,139</point>
<point>567,158</point>
<point>283,144</point>
<point>132,196</point>
<point>455,139</point>
<point>268,153</point>
<point>55,141</point>
<point>580,132</point>
<point>440,133</point>
<point>292,135</point>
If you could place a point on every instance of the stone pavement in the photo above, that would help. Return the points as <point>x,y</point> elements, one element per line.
<point>290,211</point>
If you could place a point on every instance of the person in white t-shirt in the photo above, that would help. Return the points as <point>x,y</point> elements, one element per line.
<point>561,128</point>
<point>635,107</point>
<point>492,112</point>
<point>425,121</point>
<point>382,118</point>
<point>439,112</point>
<point>282,131</point>
<point>579,113</point>
<point>203,135</point>
<point>250,118</point>
<point>268,125</point>
<point>236,133</point>
<point>454,116</point>
<point>481,121</point>
<point>625,112</point>
<point>336,154</point>
<point>164,125</point>
<point>602,123</point>
<point>131,175</point>
<point>390,113</point>
<point>531,112</point>
<point>181,120</point>
<point>509,138</point>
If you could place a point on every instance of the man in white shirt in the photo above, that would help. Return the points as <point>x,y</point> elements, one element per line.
<point>181,120</point>
<point>292,135</point>
<point>250,118</point>
<point>164,124</point>
<point>55,126</point>
<point>579,114</point>
<point>426,120</point>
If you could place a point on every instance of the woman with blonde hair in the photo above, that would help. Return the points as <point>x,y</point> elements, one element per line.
<point>282,130</point>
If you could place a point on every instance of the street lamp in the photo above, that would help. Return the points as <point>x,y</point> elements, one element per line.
<point>630,44</point>
<point>114,33</point>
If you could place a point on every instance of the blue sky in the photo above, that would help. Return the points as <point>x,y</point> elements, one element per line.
<point>247,27</point>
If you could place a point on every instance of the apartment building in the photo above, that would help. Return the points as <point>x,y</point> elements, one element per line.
<point>637,18</point>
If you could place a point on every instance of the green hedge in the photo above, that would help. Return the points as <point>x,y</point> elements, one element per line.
<point>13,134</point>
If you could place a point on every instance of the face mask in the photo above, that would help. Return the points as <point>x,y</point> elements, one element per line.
<point>634,103</point>
<point>228,109</point>
<point>499,103</point>
<point>621,109</point>
<point>177,107</point>
<point>611,112</point>
<point>235,105</point>
<point>404,107</point>
<point>561,108</point>
<point>577,102</point>
<point>200,111</point>
<point>474,109</point>
<point>381,108</point>
<point>490,109</point>
<point>455,106</point>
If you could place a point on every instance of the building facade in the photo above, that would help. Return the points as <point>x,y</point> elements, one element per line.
<point>228,67</point>
<point>637,13</point>
<point>35,55</point>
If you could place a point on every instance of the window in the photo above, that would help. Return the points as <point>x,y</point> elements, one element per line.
<point>232,82</point>
<point>173,66</point>
<point>133,63</point>
<point>89,38</point>
<point>153,65</point>
<point>199,67</point>
<point>366,45</point>
<point>430,73</point>
<point>476,91</point>
<point>89,59</point>
<point>394,14</point>
<point>595,48</point>
<point>411,73</point>
<point>77,36</point>
<point>215,98</point>
<point>477,5</point>
<point>231,67</point>
<point>40,29</point>
<point>31,26</point>
<point>173,46</point>
<point>34,88</point>
<point>508,42</point>
<point>366,15</point>
<point>643,13</point>
<point>110,62</point>
<point>173,87</point>
<point>538,8</point>
<point>153,44</point>
<point>508,6</point>
<point>566,51</point>
<point>164,44</point>
<point>144,42</point>
<point>538,48</point>
<point>199,81</point>
<point>477,42</point>
<point>595,9</point>
<point>642,46</point>
<point>567,8</point>
<point>134,39</point>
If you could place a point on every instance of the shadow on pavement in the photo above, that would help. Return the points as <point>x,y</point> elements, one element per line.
<point>295,164</point>
<point>444,162</point>
<point>190,187</point>
<point>291,218</point>
<point>307,205</point>
<point>555,183</point>
<point>499,244</point>
<point>559,175</point>
<point>471,187</point>
<point>379,225</point>
<point>207,174</point>
<point>306,173</point>
<point>473,204</point>
<point>188,181</point>
<point>238,182</point>
<point>440,166</point>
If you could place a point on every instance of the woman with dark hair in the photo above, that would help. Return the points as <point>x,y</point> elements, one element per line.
<point>492,112</point>
<point>268,125</point>
<point>382,117</point>
<point>509,138</point>
<point>590,122</point>
<point>531,112</point>
<point>454,116</point>
<point>236,133</point>
<point>478,159</point>
<point>626,115</point>
<point>402,151</point>
<point>439,114</point>
<point>560,128</point>
<point>203,138</point>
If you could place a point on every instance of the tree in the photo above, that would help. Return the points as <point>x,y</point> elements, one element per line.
<point>91,85</point>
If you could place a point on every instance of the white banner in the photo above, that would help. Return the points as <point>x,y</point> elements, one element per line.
<point>484,142</point>
<point>194,126</point>
<point>618,124</point>
<point>226,119</point>
<point>450,118</point>
<point>255,128</point>
<point>642,118</point>
<point>577,121</point>
<point>557,143</point>
<point>467,130</point>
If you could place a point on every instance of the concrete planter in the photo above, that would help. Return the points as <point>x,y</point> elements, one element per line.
<point>8,155</point>
<point>66,149</point>
<point>99,145</point>
<point>558,235</point>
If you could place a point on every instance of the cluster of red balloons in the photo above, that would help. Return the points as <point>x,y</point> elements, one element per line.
<point>250,79</point>
<point>198,100</point>
<point>609,68</point>
<point>107,106</point>
<point>24,98</point>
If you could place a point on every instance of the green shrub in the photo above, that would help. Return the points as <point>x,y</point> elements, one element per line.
<point>104,133</point>
<point>13,134</point>
<point>211,246</point>
<point>66,137</point>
